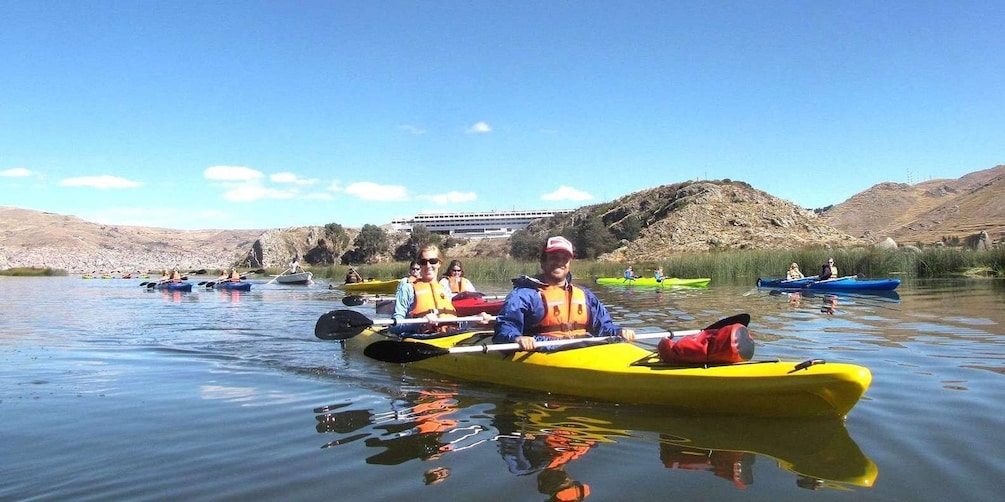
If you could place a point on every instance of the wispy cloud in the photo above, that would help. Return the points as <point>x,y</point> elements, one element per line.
<point>411,129</point>
<point>254,190</point>
<point>449,197</point>
<point>105,182</point>
<point>367,190</point>
<point>17,172</point>
<point>291,178</point>
<point>480,128</point>
<point>567,193</point>
<point>231,173</point>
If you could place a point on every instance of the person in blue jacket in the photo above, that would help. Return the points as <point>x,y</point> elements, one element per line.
<point>549,306</point>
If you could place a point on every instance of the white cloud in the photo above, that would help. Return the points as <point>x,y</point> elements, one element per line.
<point>412,129</point>
<point>366,190</point>
<point>291,178</point>
<point>336,186</point>
<point>480,128</point>
<point>318,196</point>
<point>100,182</point>
<point>567,193</point>
<point>231,173</point>
<point>253,190</point>
<point>17,172</point>
<point>449,197</point>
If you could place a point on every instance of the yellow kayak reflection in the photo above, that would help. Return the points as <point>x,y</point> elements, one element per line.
<point>543,438</point>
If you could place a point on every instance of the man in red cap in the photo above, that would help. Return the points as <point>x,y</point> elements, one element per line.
<point>549,307</point>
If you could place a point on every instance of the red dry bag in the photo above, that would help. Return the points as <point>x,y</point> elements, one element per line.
<point>728,344</point>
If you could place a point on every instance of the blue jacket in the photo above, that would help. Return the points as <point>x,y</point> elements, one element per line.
<point>524,309</point>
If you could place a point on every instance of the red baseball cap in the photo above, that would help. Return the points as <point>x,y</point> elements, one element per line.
<point>559,244</point>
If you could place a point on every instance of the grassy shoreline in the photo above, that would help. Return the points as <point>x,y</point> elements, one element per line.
<point>723,266</point>
<point>729,266</point>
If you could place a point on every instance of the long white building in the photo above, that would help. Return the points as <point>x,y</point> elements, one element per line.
<point>475,225</point>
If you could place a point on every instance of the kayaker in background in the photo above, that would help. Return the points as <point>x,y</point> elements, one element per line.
<point>630,273</point>
<point>454,280</point>
<point>166,276</point>
<point>793,272</point>
<point>223,275</point>
<point>658,274</point>
<point>424,297</point>
<point>295,266</point>
<point>828,271</point>
<point>352,276</point>
<point>234,275</point>
<point>175,276</point>
<point>572,311</point>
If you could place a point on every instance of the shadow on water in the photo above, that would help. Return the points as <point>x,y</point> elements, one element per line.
<point>544,438</point>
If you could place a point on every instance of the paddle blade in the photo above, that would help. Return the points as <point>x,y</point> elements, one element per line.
<point>390,351</point>
<point>210,284</point>
<point>341,325</point>
<point>353,301</point>
<point>743,319</point>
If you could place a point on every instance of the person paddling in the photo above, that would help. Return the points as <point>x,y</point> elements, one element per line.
<point>424,298</point>
<point>828,271</point>
<point>454,280</point>
<point>793,273</point>
<point>549,307</point>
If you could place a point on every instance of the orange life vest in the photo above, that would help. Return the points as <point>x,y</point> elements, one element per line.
<point>566,314</point>
<point>429,298</point>
<point>456,284</point>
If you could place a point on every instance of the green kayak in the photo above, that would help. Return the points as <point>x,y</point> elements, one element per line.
<point>668,282</point>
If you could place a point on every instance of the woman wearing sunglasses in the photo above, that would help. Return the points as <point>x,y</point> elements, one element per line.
<point>829,270</point>
<point>454,280</point>
<point>424,297</point>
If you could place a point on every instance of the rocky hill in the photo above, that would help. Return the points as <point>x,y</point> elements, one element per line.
<point>705,216</point>
<point>927,212</point>
<point>687,216</point>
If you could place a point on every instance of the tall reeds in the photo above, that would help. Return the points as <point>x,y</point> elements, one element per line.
<point>734,266</point>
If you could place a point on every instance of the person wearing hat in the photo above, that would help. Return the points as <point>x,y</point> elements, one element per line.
<point>793,272</point>
<point>549,307</point>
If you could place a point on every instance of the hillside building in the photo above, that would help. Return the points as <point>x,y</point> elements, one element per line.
<point>475,225</point>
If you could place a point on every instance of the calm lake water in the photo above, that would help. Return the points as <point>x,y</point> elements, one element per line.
<point>109,391</point>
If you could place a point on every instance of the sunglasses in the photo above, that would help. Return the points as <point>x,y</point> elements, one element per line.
<point>429,261</point>
<point>456,270</point>
<point>416,269</point>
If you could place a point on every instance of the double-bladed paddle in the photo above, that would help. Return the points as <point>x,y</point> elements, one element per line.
<point>357,300</point>
<point>393,351</point>
<point>345,324</point>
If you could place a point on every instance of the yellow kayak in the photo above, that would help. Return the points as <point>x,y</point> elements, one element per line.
<point>386,287</point>
<point>630,374</point>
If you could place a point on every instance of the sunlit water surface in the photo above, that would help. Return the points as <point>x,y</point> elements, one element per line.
<point>112,391</point>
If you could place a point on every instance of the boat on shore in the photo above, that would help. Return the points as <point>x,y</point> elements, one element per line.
<point>667,282</point>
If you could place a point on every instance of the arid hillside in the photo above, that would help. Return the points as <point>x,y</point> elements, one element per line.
<point>704,216</point>
<point>926,212</point>
<point>687,216</point>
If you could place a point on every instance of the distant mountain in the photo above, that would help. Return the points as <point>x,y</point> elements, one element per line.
<point>926,212</point>
<point>661,221</point>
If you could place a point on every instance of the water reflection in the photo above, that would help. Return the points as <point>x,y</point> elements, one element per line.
<point>544,439</point>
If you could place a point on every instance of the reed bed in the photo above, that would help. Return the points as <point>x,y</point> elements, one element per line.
<point>734,266</point>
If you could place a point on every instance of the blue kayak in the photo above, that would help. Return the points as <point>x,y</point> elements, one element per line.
<point>174,286</point>
<point>848,283</point>
<point>231,285</point>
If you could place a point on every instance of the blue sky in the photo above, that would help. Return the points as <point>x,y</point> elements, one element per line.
<point>220,114</point>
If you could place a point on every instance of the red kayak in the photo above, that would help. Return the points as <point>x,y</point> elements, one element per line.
<point>466,304</point>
